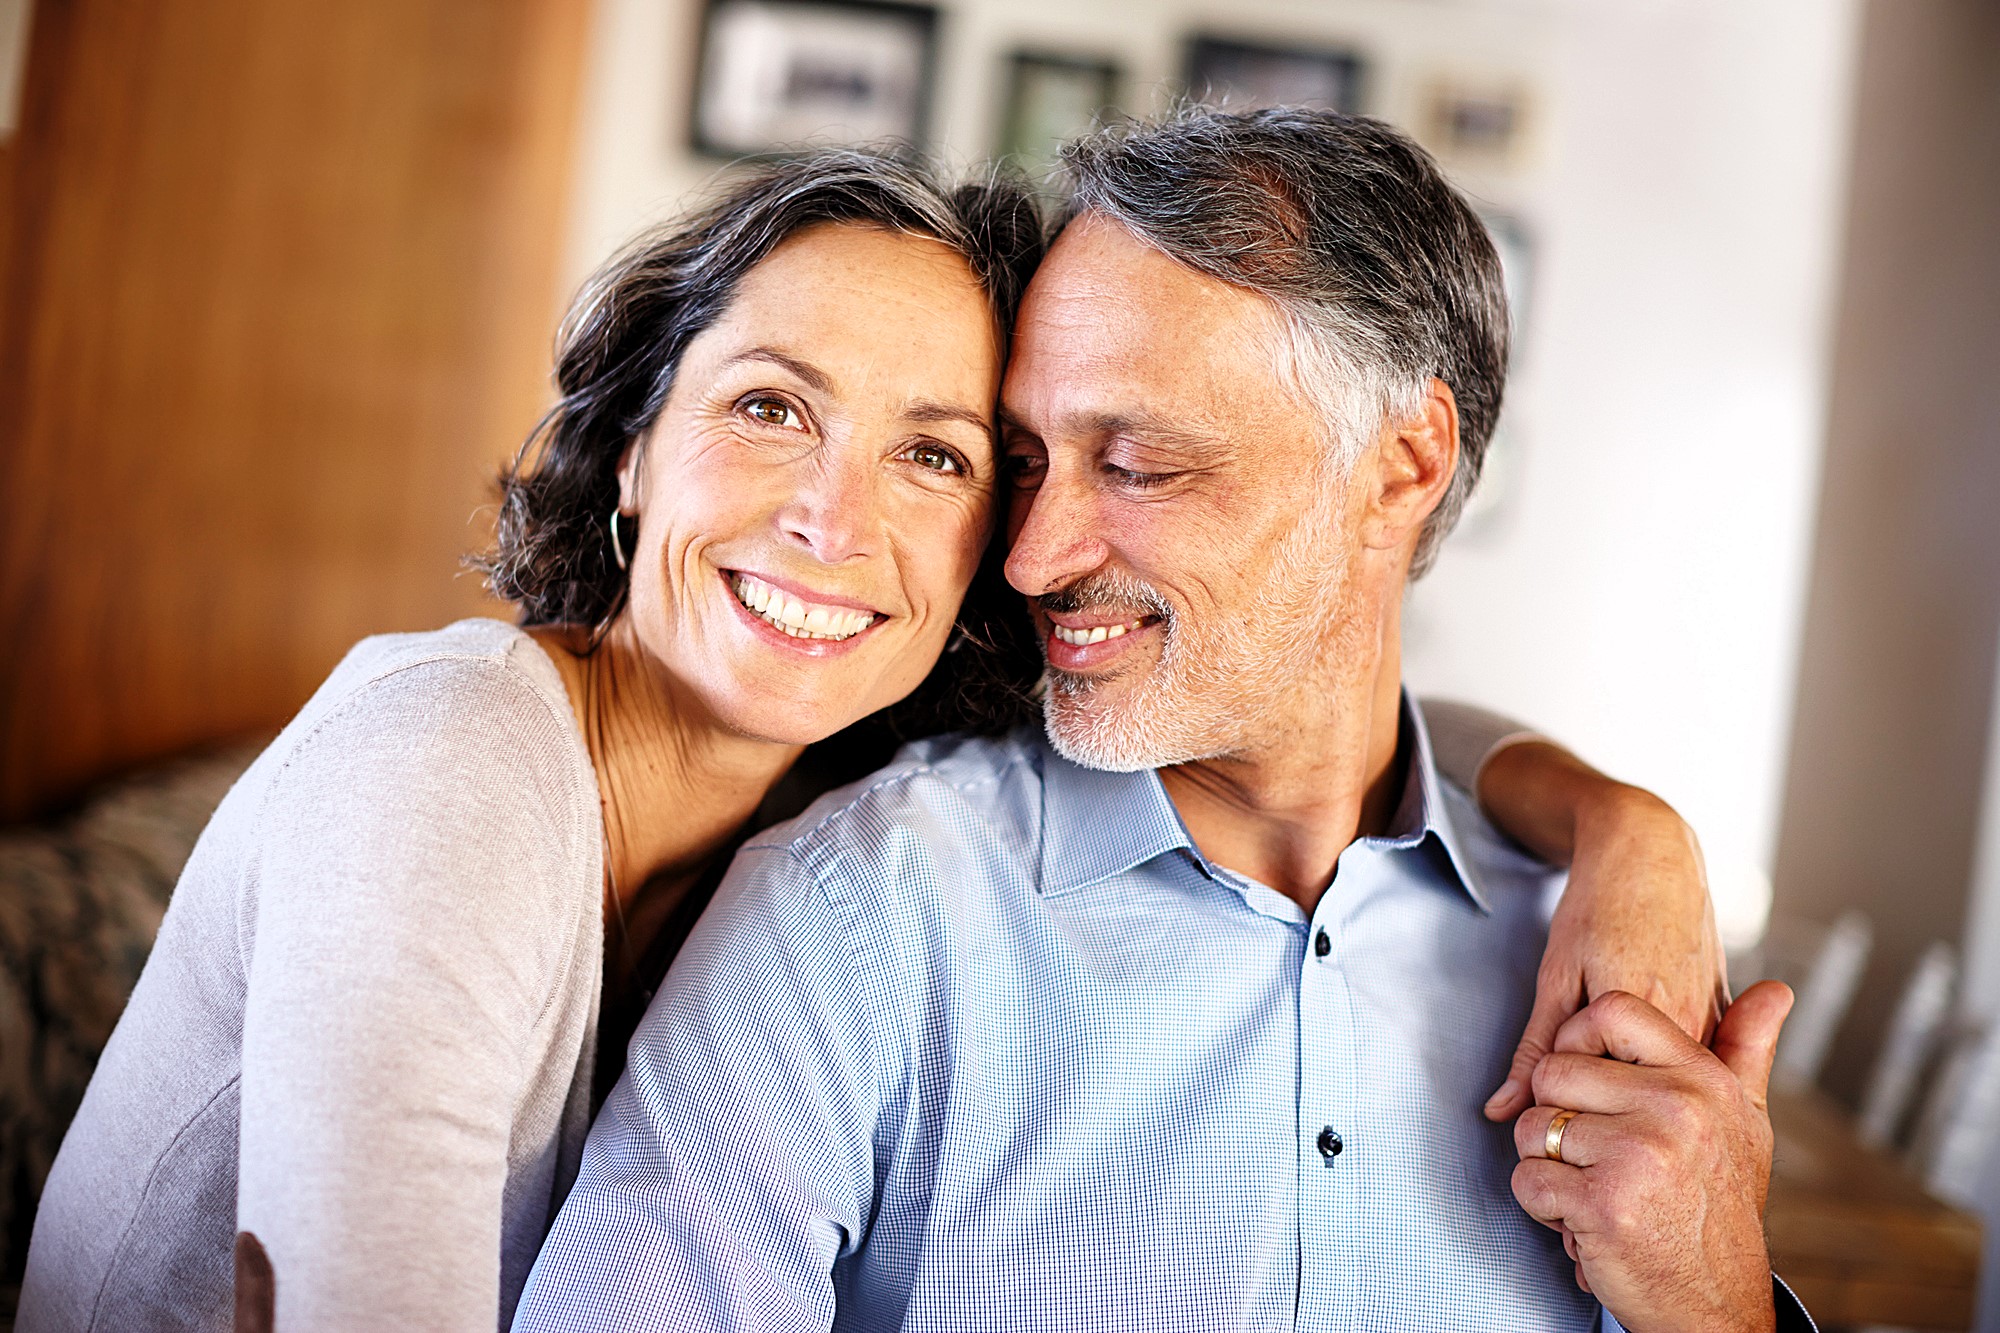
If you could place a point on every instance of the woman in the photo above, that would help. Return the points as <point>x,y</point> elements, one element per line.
<point>760,517</point>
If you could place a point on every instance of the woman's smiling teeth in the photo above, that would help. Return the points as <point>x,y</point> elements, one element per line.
<point>802,620</point>
<point>1097,634</point>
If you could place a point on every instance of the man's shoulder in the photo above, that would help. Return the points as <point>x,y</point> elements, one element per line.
<point>1509,876</point>
<point>938,795</point>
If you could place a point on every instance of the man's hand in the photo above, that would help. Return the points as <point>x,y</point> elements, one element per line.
<point>1636,915</point>
<point>1660,1192</point>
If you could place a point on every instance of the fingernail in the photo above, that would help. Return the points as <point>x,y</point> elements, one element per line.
<point>1507,1090</point>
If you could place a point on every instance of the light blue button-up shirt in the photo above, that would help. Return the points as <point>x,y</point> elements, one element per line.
<point>987,1043</point>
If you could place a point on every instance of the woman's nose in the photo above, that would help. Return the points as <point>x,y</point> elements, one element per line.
<point>834,513</point>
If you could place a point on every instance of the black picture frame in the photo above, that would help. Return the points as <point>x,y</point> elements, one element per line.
<point>1053,96</point>
<point>1241,74</point>
<point>775,76</point>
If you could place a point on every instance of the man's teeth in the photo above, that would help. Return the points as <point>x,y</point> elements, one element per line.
<point>1099,634</point>
<point>801,620</point>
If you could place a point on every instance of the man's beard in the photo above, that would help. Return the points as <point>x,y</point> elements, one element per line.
<point>1218,688</point>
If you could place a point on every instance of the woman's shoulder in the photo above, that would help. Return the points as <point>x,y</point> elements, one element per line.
<point>486,658</point>
<point>463,679</point>
<point>471,717</point>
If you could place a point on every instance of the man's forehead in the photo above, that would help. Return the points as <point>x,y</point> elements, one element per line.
<point>1099,265</point>
<point>1112,326</point>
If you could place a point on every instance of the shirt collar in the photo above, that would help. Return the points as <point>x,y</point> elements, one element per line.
<point>1097,824</point>
<point>1423,817</point>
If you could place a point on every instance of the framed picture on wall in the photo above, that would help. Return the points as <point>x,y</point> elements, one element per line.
<point>1477,123</point>
<point>776,75</point>
<point>1051,98</point>
<point>1245,76</point>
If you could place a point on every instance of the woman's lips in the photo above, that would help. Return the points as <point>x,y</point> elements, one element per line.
<point>798,616</point>
<point>803,643</point>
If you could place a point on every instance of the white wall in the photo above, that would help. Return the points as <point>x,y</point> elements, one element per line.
<point>1641,591</point>
<point>1637,586</point>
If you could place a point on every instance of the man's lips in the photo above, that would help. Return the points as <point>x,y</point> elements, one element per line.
<point>1085,641</point>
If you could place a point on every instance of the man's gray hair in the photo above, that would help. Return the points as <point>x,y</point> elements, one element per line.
<point>1385,275</point>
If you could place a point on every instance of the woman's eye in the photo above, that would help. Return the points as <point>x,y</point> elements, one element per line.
<point>774,412</point>
<point>935,457</point>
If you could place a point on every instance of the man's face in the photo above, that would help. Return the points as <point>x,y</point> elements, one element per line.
<point>1175,522</point>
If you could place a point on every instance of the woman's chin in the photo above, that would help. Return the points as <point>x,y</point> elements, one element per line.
<point>788,721</point>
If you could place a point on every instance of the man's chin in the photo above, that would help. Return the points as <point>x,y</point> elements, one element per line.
<point>1113,739</point>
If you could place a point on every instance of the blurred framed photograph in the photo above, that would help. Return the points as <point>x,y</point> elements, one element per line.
<point>1247,76</point>
<point>778,75</point>
<point>1480,123</point>
<point>1052,98</point>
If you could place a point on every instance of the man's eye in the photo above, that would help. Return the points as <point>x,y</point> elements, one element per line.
<point>1127,477</point>
<point>935,457</point>
<point>1025,470</point>
<point>774,412</point>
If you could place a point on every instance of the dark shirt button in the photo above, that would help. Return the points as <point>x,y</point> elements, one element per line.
<point>1322,945</point>
<point>1329,1143</point>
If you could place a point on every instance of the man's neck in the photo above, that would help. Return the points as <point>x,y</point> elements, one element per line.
<point>1282,811</point>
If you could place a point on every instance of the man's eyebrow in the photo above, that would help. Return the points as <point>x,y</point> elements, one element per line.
<point>1143,425</point>
<point>805,370</point>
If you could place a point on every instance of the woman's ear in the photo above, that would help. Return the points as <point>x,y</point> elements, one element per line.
<point>1416,459</point>
<point>631,472</point>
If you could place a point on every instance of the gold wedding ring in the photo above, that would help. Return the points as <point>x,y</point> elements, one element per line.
<point>1552,1144</point>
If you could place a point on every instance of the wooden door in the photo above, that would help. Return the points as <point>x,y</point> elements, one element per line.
<point>277,294</point>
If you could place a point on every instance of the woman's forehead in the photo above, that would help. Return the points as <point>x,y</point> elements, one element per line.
<point>863,304</point>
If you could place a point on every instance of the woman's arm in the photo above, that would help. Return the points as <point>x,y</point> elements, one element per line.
<point>1636,916</point>
<point>410,918</point>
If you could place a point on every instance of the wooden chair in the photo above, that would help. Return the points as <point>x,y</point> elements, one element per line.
<point>1822,964</point>
<point>1922,1018</point>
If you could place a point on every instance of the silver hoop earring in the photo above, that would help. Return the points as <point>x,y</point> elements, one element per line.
<point>617,543</point>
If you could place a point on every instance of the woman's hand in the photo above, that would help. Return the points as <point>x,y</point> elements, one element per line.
<point>1636,915</point>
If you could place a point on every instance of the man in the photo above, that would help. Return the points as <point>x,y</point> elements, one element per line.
<point>1184,1017</point>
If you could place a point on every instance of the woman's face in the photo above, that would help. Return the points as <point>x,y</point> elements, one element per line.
<point>817,491</point>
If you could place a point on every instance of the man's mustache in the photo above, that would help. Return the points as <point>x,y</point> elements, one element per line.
<point>1106,591</point>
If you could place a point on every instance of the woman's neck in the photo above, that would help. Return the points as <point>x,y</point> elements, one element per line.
<point>676,785</point>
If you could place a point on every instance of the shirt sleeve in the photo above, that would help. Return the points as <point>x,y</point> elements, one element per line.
<point>1464,737</point>
<point>1792,1316</point>
<point>733,1165</point>
<point>401,938</point>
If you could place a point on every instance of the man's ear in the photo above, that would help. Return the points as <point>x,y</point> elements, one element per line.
<point>1416,458</point>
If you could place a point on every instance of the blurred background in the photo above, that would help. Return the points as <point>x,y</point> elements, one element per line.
<point>277,292</point>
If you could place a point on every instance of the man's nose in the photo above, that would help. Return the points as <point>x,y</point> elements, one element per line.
<point>1056,537</point>
<point>835,511</point>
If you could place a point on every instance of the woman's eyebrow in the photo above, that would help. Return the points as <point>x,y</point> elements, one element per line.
<point>805,370</point>
<point>819,380</point>
<point>930,410</point>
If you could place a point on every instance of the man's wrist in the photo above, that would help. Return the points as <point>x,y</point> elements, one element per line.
<point>1611,813</point>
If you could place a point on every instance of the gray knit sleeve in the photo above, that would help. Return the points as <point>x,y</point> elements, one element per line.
<point>408,915</point>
